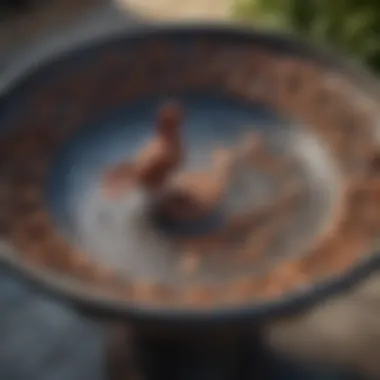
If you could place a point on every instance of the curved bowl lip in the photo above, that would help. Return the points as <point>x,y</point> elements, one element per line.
<point>69,289</point>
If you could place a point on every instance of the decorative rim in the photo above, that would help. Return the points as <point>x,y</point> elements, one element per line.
<point>46,53</point>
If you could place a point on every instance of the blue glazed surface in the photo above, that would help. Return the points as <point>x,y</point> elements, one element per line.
<point>117,134</point>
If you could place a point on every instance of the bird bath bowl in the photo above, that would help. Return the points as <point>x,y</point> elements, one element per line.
<point>65,118</point>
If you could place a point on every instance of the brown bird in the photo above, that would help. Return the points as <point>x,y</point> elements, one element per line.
<point>156,161</point>
<point>190,195</point>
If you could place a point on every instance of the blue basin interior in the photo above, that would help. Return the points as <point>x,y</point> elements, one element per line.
<point>211,121</point>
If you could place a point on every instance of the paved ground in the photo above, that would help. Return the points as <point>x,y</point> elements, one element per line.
<point>42,339</point>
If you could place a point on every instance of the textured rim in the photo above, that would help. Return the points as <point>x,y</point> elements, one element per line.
<point>46,53</point>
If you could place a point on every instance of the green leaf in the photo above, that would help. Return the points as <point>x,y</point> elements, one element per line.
<point>350,25</point>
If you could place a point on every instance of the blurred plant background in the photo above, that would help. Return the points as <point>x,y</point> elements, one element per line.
<point>351,26</point>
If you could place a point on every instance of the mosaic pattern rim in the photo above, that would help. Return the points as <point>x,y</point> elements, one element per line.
<point>79,293</point>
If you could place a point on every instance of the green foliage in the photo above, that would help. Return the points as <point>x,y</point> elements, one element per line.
<point>352,26</point>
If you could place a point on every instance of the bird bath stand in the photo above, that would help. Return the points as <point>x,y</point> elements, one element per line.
<point>296,222</point>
